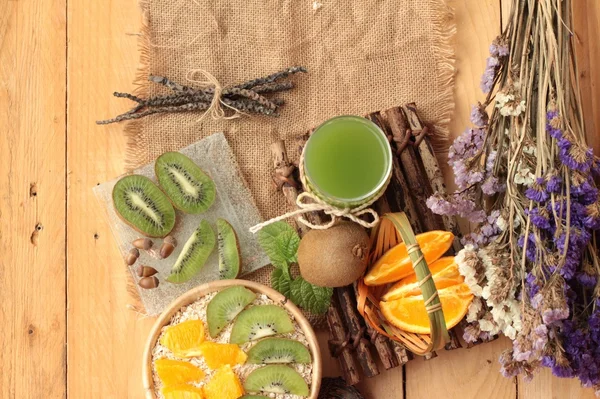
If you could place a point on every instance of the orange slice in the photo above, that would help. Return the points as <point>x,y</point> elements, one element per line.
<point>409,313</point>
<point>224,384</point>
<point>217,355</point>
<point>184,339</point>
<point>182,392</point>
<point>176,372</point>
<point>444,272</point>
<point>395,264</point>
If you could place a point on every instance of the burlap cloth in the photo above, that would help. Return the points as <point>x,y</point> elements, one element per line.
<point>361,55</point>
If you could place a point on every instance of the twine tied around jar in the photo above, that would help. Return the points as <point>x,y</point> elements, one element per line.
<point>316,204</point>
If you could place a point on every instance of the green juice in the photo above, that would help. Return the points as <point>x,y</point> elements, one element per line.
<point>347,160</point>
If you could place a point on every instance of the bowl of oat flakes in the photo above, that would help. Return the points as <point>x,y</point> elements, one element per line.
<point>232,339</point>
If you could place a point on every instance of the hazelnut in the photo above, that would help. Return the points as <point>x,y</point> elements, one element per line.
<point>143,243</point>
<point>132,256</point>
<point>148,282</point>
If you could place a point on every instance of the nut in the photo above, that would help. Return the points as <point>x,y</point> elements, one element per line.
<point>132,256</point>
<point>167,247</point>
<point>145,271</point>
<point>148,282</point>
<point>143,243</point>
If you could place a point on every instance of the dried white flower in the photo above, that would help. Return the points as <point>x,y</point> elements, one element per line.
<point>509,105</point>
<point>524,176</point>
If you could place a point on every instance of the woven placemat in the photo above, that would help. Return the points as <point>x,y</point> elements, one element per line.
<point>361,56</point>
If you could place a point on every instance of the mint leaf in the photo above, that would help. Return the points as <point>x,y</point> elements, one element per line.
<point>280,242</point>
<point>280,282</point>
<point>310,297</point>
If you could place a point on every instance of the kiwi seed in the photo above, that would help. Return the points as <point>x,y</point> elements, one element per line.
<point>225,306</point>
<point>141,204</point>
<point>194,254</point>
<point>188,187</point>
<point>260,321</point>
<point>277,379</point>
<point>229,250</point>
<point>278,350</point>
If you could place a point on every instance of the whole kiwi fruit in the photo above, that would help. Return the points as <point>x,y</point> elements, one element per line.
<point>334,257</point>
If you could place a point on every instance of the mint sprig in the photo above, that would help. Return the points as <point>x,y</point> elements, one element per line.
<point>280,242</point>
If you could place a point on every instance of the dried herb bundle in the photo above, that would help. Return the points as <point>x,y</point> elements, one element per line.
<point>248,97</point>
<point>526,178</point>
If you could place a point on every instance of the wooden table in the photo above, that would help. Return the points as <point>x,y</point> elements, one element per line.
<point>66,327</point>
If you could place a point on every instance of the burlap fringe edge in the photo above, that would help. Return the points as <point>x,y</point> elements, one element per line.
<point>134,152</point>
<point>444,32</point>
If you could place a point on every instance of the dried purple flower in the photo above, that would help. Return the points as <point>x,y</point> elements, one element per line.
<point>540,217</point>
<point>574,156</point>
<point>553,182</point>
<point>489,75</point>
<point>537,192</point>
<point>531,246</point>
<point>479,116</point>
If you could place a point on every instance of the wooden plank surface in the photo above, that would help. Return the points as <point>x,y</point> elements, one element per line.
<point>32,200</point>
<point>105,339</point>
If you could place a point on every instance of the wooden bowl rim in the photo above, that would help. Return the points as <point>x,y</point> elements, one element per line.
<point>205,289</point>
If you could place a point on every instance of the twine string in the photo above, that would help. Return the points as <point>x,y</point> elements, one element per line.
<point>216,105</point>
<point>307,202</point>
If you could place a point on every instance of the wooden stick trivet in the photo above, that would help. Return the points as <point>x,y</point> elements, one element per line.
<point>398,191</point>
<point>430,164</point>
<point>413,171</point>
<point>339,337</point>
<point>356,327</point>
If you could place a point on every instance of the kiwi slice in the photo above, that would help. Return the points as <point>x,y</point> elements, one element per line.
<point>188,187</point>
<point>225,306</point>
<point>141,204</point>
<point>229,250</point>
<point>276,379</point>
<point>278,350</point>
<point>194,254</point>
<point>260,321</point>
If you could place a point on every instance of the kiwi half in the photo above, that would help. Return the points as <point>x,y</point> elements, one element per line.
<point>229,250</point>
<point>225,306</point>
<point>194,254</point>
<point>276,379</point>
<point>188,187</point>
<point>260,321</point>
<point>278,350</point>
<point>141,204</point>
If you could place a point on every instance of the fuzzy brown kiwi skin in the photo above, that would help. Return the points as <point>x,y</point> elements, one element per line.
<point>145,234</point>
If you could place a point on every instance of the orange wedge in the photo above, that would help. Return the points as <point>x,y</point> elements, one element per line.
<point>182,392</point>
<point>224,384</point>
<point>176,372</point>
<point>184,339</point>
<point>409,314</point>
<point>444,272</point>
<point>217,355</point>
<point>395,264</point>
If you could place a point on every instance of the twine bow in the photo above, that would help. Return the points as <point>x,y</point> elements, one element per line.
<point>216,105</point>
<point>316,204</point>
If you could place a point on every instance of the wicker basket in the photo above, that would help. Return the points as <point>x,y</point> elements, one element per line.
<point>393,229</point>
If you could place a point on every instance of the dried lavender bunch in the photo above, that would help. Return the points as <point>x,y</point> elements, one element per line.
<point>525,178</point>
<point>248,97</point>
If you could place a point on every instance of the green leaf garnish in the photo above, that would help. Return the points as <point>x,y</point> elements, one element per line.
<point>281,282</point>
<point>280,242</point>
<point>310,297</point>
